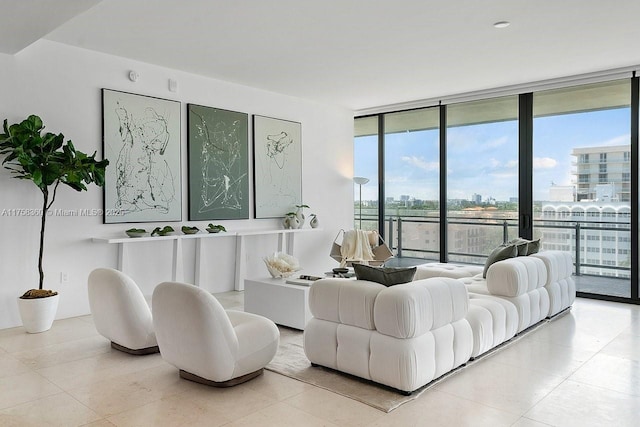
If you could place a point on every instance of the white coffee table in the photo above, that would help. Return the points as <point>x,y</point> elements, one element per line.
<point>285,304</point>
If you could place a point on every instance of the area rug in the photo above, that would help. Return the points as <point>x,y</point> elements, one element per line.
<point>291,361</point>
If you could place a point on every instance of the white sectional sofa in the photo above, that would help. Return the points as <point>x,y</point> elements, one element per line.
<point>403,336</point>
<point>408,335</point>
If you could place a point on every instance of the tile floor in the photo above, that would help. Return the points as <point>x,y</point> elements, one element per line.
<point>580,370</point>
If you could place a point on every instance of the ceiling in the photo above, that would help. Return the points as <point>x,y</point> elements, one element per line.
<point>359,54</point>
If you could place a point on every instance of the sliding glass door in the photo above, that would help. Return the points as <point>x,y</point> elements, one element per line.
<point>412,168</point>
<point>482,177</point>
<point>582,181</point>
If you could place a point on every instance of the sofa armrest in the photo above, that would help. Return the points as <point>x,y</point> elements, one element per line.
<point>344,301</point>
<point>515,276</point>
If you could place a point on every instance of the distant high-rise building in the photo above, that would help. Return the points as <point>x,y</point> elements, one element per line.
<point>609,165</point>
<point>595,220</point>
<point>476,198</point>
<point>404,198</point>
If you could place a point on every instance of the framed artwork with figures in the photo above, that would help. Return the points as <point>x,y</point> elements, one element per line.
<point>277,166</point>
<point>141,139</point>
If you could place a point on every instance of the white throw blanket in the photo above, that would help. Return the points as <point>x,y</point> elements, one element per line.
<point>356,247</point>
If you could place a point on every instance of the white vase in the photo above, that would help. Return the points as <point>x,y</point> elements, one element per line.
<point>38,313</point>
<point>300,217</point>
<point>314,222</point>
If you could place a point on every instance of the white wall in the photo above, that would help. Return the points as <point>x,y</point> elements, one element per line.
<point>62,85</point>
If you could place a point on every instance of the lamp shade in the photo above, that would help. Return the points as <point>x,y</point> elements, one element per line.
<point>360,180</point>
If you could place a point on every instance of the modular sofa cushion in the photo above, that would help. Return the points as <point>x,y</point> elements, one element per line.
<point>412,309</point>
<point>444,269</point>
<point>344,301</point>
<point>559,265</point>
<point>516,276</point>
<point>384,276</point>
<point>560,284</point>
<point>498,254</point>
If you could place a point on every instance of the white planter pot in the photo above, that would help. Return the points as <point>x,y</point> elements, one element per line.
<point>38,314</point>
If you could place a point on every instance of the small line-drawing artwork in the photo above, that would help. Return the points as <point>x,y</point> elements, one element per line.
<point>277,151</point>
<point>144,179</point>
<point>276,148</point>
<point>221,171</point>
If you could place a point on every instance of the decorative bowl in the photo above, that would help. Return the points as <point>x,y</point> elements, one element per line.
<point>135,232</point>
<point>166,230</point>
<point>213,230</point>
<point>190,230</point>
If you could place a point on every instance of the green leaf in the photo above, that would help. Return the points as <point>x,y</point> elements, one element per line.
<point>36,176</point>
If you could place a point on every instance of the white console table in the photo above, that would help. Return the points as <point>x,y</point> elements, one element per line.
<point>285,244</point>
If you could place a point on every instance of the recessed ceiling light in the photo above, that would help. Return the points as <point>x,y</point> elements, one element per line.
<point>502,24</point>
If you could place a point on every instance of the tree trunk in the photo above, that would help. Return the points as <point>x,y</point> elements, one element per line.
<point>45,196</point>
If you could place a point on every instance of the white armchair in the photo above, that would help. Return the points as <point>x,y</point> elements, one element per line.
<point>120,312</point>
<point>206,343</point>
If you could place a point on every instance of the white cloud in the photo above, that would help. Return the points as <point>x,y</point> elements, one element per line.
<point>544,163</point>
<point>494,163</point>
<point>419,162</point>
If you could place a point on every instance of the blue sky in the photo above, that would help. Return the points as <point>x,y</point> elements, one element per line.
<point>483,158</point>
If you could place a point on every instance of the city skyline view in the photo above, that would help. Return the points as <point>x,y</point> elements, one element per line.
<point>483,158</point>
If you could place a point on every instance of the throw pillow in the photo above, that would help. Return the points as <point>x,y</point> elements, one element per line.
<point>522,245</point>
<point>533,247</point>
<point>384,275</point>
<point>526,247</point>
<point>500,253</point>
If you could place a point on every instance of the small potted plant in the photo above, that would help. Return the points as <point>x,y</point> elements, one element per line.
<point>48,161</point>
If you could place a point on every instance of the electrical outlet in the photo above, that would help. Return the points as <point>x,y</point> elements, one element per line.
<point>64,277</point>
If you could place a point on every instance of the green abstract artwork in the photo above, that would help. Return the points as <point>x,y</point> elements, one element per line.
<point>218,163</point>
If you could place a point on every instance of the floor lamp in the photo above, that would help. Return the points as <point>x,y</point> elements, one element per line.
<point>360,181</point>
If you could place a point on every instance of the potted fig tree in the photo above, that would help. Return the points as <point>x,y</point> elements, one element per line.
<point>48,161</point>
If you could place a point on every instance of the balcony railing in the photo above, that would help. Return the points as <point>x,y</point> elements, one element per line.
<point>491,232</point>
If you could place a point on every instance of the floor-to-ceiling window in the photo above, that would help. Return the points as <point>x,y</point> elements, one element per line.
<point>482,177</point>
<point>412,167</point>
<point>558,164</point>
<point>582,181</point>
<point>365,172</point>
